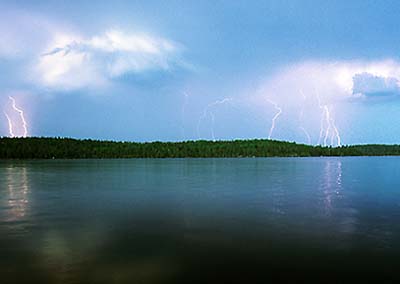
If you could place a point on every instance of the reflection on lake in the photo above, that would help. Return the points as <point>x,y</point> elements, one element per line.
<point>18,189</point>
<point>199,220</point>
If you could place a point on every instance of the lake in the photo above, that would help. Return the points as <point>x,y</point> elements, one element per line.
<point>241,220</point>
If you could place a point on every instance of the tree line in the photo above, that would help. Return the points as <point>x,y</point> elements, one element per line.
<point>67,148</point>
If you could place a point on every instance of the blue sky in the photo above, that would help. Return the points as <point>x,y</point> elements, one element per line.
<point>308,71</point>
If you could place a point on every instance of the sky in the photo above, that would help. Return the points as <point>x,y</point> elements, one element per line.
<point>317,72</point>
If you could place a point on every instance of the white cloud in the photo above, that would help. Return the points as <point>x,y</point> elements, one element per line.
<point>332,81</point>
<point>73,61</point>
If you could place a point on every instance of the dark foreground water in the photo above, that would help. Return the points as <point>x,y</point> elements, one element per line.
<point>292,220</point>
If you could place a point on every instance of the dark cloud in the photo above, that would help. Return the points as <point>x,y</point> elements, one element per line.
<point>369,85</point>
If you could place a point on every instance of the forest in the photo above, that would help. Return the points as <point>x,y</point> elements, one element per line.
<point>67,148</point>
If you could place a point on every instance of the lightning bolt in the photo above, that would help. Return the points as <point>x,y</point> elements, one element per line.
<point>183,113</point>
<point>212,126</point>
<point>331,128</point>
<point>301,119</point>
<point>306,134</point>
<point>10,126</point>
<point>21,115</point>
<point>279,111</point>
<point>327,125</point>
<point>208,112</point>
<point>336,133</point>
<point>321,130</point>
<point>327,117</point>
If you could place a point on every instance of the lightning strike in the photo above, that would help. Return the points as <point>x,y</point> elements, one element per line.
<point>301,119</point>
<point>306,134</point>
<point>11,122</point>
<point>183,113</point>
<point>331,128</point>
<point>10,126</point>
<point>328,128</point>
<point>21,115</point>
<point>336,132</point>
<point>208,112</point>
<point>321,129</point>
<point>279,111</point>
<point>327,125</point>
<point>212,126</point>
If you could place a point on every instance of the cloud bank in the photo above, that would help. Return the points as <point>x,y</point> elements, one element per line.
<point>72,61</point>
<point>333,82</point>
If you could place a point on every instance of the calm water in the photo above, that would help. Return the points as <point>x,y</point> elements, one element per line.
<point>200,220</point>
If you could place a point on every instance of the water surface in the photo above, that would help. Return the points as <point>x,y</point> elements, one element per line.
<point>200,220</point>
